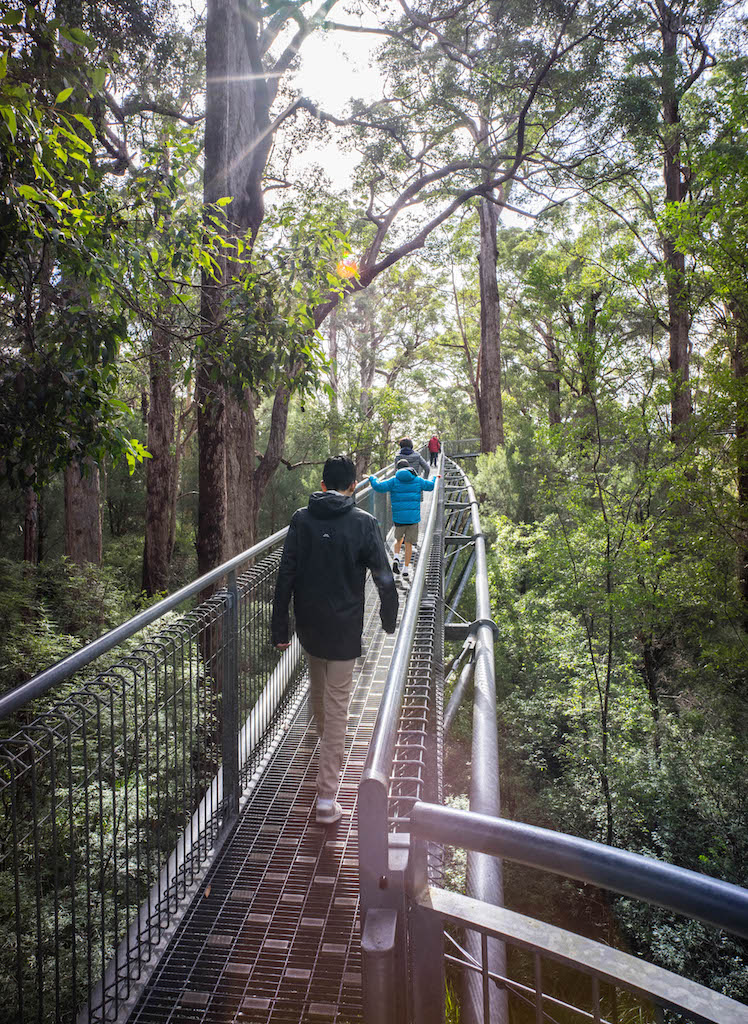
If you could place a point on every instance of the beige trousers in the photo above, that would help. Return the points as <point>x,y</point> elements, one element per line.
<point>330,685</point>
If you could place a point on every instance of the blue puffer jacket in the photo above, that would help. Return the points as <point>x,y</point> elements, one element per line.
<point>405,492</point>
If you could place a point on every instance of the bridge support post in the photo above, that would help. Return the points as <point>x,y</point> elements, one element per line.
<point>378,944</point>
<point>426,943</point>
<point>230,704</point>
<point>383,861</point>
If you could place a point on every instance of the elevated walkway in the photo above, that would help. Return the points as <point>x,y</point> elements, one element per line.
<point>160,861</point>
<point>273,933</point>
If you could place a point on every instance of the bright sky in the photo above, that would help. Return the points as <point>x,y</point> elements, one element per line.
<point>336,67</point>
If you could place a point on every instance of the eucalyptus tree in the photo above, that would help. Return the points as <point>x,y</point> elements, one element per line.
<point>384,339</point>
<point>713,228</point>
<point>58,346</point>
<point>499,90</point>
<point>413,166</point>
<point>576,310</point>
<point>658,54</point>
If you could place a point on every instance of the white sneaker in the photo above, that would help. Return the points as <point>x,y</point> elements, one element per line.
<point>328,811</point>
<point>406,576</point>
<point>396,566</point>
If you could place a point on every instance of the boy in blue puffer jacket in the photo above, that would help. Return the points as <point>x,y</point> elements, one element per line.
<point>405,494</point>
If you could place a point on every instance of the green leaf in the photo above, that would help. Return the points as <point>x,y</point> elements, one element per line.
<point>12,18</point>
<point>9,116</point>
<point>29,192</point>
<point>79,37</point>
<point>225,201</point>
<point>117,403</point>
<point>98,77</point>
<point>64,95</point>
<point>86,122</point>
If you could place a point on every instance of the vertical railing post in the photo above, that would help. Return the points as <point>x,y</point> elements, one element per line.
<point>426,943</point>
<point>382,865</point>
<point>484,879</point>
<point>230,703</point>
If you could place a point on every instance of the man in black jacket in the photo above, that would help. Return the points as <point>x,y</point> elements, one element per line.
<point>329,546</point>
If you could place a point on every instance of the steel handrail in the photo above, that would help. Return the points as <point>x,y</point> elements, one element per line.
<point>484,873</point>
<point>717,903</point>
<point>381,748</point>
<point>381,880</point>
<point>68,666</point>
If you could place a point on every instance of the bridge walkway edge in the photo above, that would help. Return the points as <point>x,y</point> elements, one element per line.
<point>272,936</point>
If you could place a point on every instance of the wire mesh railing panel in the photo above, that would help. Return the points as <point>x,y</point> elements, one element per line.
<point>461,447</point>
<point>272,936</point>
<point>112,795</point>
<point>120,775</point>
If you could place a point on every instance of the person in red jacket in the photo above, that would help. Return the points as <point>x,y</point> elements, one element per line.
<point>435,446</point>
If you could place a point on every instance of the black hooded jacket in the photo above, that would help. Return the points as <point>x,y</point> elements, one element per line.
<point>329,546</point>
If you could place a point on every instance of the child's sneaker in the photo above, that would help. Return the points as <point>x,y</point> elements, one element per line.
<point>396,566</point>
<point>328,812</point>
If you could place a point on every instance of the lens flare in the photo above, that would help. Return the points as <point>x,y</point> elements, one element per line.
<point>347,267</point>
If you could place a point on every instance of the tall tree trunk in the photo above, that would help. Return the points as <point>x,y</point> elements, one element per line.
<point>237,142</point>
<point>31,526</point>
<point>367,366</point>
<point>552,376</point>
<point>83,512</point>
<point>270,461</point>
<point>160,470</point>
<point>333,371</point>
<point>649,673</point>
<point>41,522</point>
<point>490,410</point>
<point>241,460</point>
<point>212,538</point>
<point>180,443</point>
<point>676,282</point>
<point>740,370</point>
<point>587,347</point>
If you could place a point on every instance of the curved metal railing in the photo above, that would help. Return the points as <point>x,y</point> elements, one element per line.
<point>719,904</point>
<point>121,770</point>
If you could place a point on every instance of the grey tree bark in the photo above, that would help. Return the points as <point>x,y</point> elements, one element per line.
<point>740,371</point>
<point>83,541</point>
<point>490,406</point>
<point>31,526</point>
<point>237,142</point>
<point>160,470</point>
<point>678,292</point>
<point>552,374</point>
<point>680,23</point>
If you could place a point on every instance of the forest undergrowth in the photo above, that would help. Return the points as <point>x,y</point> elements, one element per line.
<point>622,683</point>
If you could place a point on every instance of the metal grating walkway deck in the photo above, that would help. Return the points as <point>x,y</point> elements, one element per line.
<point>273,933</point>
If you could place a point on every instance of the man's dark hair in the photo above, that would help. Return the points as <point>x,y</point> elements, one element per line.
<point>402,464</point>
<point>406,443</point>
<point>338,473</point>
